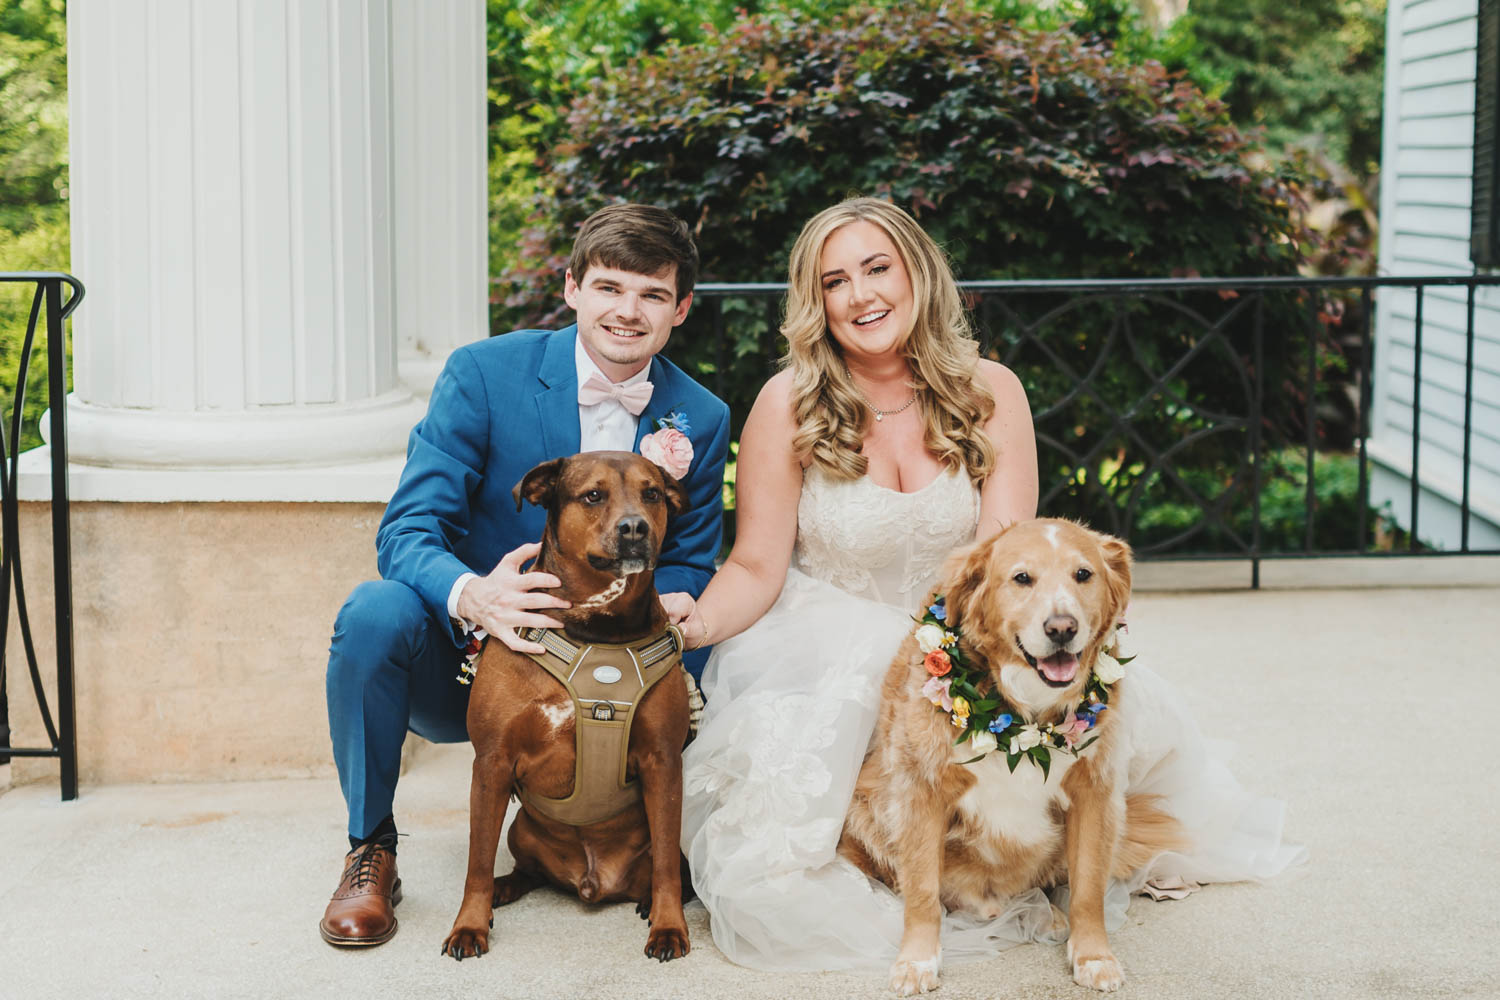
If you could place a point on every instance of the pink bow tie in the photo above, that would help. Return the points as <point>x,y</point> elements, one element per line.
<point>633,397</point>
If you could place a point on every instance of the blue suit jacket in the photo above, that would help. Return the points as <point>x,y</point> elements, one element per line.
<point>499,408</point>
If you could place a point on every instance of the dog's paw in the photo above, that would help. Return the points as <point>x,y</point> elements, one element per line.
<point>509,888</point>
<point>667,943</point>
<point>1099,972</point>
<point>910,978</point>
<point>466,942</point>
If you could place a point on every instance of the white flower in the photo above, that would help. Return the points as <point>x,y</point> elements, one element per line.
<point>1107,668</point>
<point>1029,737</point>
<point>983,742</point>
<point>1118,642</point>
<point>929,638</point>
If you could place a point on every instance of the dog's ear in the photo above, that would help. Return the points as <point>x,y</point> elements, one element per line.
<point>1117,564</point>
<point>965,578</point>
<point>538,485</point>
<point>677,498</point>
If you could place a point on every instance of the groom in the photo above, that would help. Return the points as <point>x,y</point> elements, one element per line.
<point>451,545</point>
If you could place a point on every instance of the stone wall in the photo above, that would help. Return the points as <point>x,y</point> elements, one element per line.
<point>200,635</point>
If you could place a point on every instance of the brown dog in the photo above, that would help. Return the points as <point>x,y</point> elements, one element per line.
<point>963,827</point>
<point>607,513</point>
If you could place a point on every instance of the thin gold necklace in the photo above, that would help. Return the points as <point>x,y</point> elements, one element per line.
<point>879,413</point>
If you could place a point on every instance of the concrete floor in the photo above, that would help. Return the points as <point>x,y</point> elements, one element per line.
<point>1368,711</point>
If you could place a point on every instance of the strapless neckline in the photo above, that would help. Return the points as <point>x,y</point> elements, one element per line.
<point>943,473</point>
<point>878,543</point>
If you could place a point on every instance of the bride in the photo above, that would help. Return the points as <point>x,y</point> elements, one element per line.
<point>884,443</point>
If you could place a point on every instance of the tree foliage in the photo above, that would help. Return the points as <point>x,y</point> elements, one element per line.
<point>33,182</point>
<point>1027,153</point>
<point>1308,73</point>
<point>33,110</point>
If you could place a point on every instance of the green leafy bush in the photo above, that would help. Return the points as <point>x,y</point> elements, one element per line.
<point>1026,153</point>
<point>541,53</point>
<point>1283,511</point>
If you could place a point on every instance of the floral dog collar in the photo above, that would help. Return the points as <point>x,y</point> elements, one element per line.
<point>985,720</point>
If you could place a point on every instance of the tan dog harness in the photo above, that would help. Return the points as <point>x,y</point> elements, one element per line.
<point>607,682</point>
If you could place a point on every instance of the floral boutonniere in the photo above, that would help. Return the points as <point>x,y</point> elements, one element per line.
<point>668,446</point>
<point>985,720</point>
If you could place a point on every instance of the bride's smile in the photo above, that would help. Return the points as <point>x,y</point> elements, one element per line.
<point>867,292</point>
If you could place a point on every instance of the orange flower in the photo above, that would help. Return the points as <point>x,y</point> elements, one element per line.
<point>937,662</point>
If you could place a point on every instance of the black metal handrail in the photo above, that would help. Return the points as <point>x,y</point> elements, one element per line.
<point>62,736</point>
<point>1071,334</point>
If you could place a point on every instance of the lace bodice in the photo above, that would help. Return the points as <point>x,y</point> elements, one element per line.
<point>879,543</point>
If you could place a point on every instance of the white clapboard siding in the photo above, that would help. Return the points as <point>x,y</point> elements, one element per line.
<point>1415,189</point>
<point>1443,98</point>
<point>1427,188</point>
<point>1429,254</point>
<point>1449,222</point>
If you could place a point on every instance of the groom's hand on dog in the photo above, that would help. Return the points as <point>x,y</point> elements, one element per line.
<point>508,599</point>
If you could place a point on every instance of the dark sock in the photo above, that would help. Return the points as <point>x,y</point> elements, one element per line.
<point>384,833</point>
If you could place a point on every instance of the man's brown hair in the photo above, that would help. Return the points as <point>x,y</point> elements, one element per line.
<point>641,239</point>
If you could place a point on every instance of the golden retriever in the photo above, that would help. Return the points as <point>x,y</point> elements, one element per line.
<point>1035,607</point>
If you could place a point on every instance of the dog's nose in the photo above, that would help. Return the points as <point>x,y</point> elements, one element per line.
<point>632,529</point>
<point>1061,628</point>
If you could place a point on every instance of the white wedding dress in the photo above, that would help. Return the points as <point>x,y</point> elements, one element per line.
<point>792,703</point>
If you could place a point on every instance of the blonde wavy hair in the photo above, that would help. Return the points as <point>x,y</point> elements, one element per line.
<point>940,350</point>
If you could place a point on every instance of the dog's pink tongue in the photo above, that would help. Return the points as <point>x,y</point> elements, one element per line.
<point>1059,668</point>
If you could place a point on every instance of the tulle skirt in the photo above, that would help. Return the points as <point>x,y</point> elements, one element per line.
<point>792,703</point>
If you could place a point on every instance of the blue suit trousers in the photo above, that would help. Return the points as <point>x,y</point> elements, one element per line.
<point>391,668</point>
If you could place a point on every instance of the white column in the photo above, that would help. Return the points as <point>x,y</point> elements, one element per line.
<point>441,190</point>
<point>232,199</point>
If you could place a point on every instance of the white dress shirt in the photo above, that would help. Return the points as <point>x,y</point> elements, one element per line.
<point>604,426</point>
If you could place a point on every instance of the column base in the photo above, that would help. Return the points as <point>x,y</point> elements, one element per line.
<point>260,438</point>
<point>357,482</point>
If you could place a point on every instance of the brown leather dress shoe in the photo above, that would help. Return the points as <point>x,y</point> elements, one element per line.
<point>362,911</point>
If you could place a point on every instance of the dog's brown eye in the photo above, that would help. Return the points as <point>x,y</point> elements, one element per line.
<point>593,497</point>
<point>1083,574</point>
<point>1023,578</point>
<point>651,495</point>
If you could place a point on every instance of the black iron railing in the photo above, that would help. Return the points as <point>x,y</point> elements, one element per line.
<point>1198,418</point>
<point>61,737</point>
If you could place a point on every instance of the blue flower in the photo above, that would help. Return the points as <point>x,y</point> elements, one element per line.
<point>1001,723</point>
<point>938,611</point>
<point>677,420</point>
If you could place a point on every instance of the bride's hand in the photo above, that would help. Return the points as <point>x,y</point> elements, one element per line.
<point>693,630</point>
<point>682,611</point>
<point>679,606</point>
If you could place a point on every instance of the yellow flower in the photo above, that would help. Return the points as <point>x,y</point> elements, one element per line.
<point>960,705</point>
